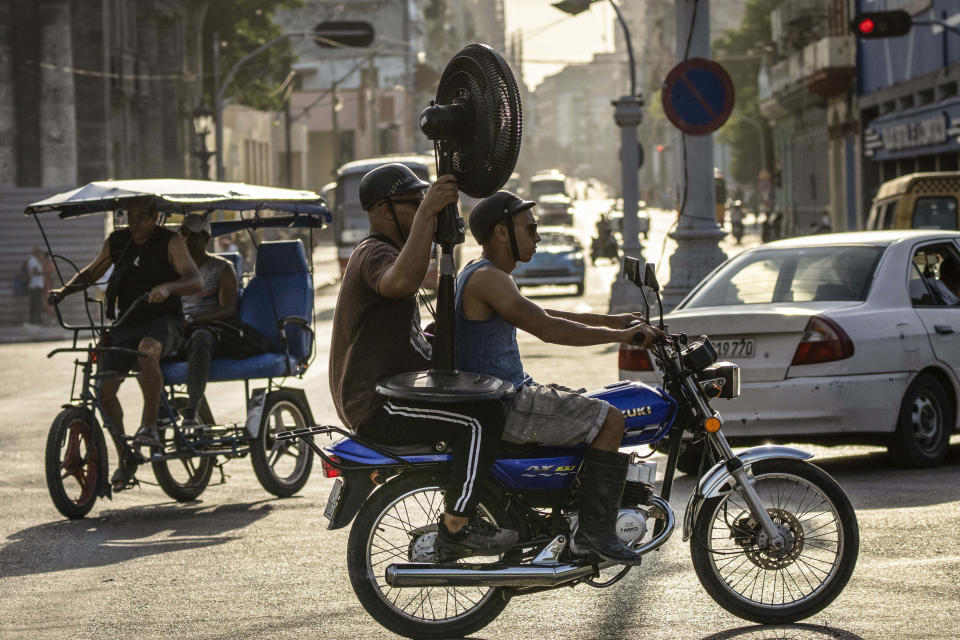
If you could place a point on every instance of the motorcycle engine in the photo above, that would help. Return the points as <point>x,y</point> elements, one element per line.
<point>631,526</point>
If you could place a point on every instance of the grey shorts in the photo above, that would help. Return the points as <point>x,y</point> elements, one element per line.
<point>553,415</point>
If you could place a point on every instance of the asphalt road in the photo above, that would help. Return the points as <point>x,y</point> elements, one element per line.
<point>239,563</point>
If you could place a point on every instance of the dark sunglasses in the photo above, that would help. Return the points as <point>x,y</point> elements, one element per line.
<point>531,228</point>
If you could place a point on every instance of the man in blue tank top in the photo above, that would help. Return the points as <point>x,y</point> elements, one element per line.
<point>489,309</point>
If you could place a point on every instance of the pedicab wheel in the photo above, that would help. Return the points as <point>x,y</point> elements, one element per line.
<point>75,460</point>
<point>282,466</point>
<point>185,477</point>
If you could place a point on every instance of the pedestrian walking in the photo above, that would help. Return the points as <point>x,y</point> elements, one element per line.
<point>35,285</point>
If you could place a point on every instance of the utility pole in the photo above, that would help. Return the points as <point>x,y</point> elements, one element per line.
<point>697,233</point>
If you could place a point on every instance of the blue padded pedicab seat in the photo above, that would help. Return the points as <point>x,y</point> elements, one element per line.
<point>281,287</point>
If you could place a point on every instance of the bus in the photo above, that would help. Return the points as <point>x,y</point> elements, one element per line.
<point>350,222</point>
<point>547,182</point>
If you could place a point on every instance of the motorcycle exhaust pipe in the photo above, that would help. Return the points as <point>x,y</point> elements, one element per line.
<point>418,574</point>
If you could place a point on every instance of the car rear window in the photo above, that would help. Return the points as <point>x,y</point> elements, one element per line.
<point>810,274</point>
<point>935,213</point>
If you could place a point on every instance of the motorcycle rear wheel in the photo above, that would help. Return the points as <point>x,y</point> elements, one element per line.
<point>775,587</point>
<point>385,532</point>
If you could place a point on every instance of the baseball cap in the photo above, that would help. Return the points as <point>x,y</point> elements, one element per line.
<point>388,181</point>
<point>196,222</point>
<point>493,210</point>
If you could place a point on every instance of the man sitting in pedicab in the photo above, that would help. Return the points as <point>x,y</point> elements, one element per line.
<point>152,269</point>
<point>210,317</point>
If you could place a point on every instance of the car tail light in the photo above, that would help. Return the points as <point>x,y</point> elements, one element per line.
<point>823,341</point>
<point>634,358</point>
<point>330,471</point>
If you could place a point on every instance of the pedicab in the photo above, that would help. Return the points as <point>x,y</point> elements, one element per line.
<point>277,301</point>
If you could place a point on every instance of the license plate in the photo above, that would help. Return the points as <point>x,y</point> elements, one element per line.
<point>736,347</point>
<point>334,498</point>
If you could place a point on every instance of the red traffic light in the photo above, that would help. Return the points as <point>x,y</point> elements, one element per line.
<point>881,24</point>
<point>866,27</point>
<point>659,148</point>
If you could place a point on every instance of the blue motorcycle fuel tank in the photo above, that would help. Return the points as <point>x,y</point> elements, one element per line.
<point>649,412</point>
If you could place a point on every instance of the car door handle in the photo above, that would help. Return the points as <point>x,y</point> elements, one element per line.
<point>943,329</point>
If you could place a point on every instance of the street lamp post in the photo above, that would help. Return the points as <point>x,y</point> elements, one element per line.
<point>202,119</point>
<point>628,112</point>
<point>697,234</point>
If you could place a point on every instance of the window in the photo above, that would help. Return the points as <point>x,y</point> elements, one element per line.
<point>935,276</point>
<point>811,274</point>
<point>935,213</point>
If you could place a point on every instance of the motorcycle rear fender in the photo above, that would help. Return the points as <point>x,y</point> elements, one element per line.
<point>714,481</point>
<point>357,487</point>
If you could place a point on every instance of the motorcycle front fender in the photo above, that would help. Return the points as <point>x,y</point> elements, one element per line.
<point>714,481</point>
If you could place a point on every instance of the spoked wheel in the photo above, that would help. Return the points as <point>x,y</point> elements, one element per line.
<point>184,477</point>
<point>751,579</point>
<point>282,466</point>
<point>75,461</point>
<point>399,524</point>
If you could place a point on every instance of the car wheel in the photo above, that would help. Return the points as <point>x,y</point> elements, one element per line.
<point>924,424</point>
<point>580,288</point>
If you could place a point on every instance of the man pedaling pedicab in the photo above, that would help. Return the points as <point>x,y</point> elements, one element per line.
<point>150,261</point>
<point>377,334</point>
<point>489,309</point>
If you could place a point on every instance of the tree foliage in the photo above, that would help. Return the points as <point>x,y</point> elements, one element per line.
<point>242,26</point>
<point>739,51</point>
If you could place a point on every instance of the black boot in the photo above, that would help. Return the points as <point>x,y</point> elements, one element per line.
<point>602,478</point>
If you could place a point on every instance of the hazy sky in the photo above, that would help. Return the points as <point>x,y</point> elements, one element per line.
<point>550,34</point>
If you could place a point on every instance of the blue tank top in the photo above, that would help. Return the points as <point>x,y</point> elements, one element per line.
<point>485,346</point>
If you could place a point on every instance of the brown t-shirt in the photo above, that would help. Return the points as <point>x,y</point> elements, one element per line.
<point>373,336</point>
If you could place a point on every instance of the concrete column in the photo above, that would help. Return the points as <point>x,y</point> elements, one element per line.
<point>697,233</point>
<point>8,109</point>
<point>58,119</point>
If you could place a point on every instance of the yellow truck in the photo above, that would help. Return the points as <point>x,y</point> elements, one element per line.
<point>917,201</point>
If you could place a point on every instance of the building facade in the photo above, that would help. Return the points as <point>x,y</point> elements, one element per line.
<point>908,101</point>
<point>807,92</point>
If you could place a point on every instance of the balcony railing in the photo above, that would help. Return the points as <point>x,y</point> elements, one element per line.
<point>804,66</point>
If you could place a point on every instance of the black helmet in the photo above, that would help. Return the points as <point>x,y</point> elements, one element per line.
<point>493,210</point>
<point>388,181</point>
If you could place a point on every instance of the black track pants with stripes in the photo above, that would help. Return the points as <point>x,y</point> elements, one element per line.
<point>472,428</point>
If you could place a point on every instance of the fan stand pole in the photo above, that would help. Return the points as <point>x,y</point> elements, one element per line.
<point>449,234</point>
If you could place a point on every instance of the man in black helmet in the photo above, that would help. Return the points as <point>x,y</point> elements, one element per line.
<point>377,334</point>
<point>489,309</point>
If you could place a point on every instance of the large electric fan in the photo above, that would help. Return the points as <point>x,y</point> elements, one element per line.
<point>475,124</point>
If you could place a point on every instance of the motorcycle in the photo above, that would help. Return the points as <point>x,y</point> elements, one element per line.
<point>736,220</point>
<point>605,247</point>
<point>773,538</point>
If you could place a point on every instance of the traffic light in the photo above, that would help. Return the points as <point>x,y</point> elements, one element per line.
<point>881,24</point>
<point>659,148</point>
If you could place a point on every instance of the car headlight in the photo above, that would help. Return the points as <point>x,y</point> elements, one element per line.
<point>578,259</point>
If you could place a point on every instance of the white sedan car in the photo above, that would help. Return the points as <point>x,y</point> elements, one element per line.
<point>847,334</point>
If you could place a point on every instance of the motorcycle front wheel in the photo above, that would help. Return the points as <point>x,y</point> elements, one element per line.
<point>756,582</point>
<point>399,524</point>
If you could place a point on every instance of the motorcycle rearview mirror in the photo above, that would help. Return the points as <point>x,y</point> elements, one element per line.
<point>650,277</point>
<point>631,270</point>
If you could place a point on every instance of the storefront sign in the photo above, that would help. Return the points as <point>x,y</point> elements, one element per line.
<point>918,133</point>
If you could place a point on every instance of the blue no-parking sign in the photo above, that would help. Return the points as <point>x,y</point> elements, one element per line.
<point>698,96</point>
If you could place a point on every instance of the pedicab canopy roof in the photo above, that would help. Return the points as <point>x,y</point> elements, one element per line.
<point>185,196</point>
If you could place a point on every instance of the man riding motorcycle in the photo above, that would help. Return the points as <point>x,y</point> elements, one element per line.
<point>489,308</point>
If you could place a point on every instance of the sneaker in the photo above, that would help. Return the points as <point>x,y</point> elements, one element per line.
<point>147,437</point>
<point>477,538</point>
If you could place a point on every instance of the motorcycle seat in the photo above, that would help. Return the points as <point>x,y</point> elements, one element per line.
<point>440,446</point>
